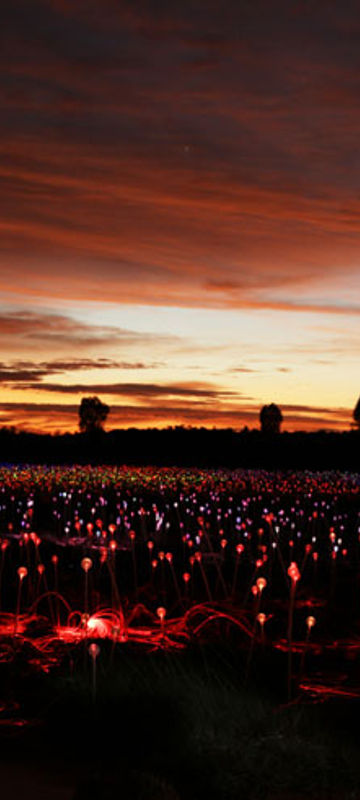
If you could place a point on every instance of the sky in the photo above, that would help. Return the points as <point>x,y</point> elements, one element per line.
<point>179,212</point>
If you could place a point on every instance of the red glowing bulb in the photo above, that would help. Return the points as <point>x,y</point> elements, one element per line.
<point>94,650</point>
<point>161,612</point>
<point>261,583</point>
<point>186,577</point>
<point>22,573</point>
<point>293,572</point>
<point>86,564</point>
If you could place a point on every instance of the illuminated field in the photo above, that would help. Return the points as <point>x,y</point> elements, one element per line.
<point>165,558</point>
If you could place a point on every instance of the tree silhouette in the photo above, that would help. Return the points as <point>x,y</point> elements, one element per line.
<point>270,418</point>
<point>92,414</point>
<point>356,414</point>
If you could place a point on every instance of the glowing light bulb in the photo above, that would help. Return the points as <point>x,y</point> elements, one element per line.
<point>94,650</point>
<point>186,577</point>
<point>293,572</point>
<point>310,621</point>
<point>223,543</point>
<point>86,564</point>
<point>161,612</point>
<point>261,618</point>
<point>22,573</point>
<point>261,583</point>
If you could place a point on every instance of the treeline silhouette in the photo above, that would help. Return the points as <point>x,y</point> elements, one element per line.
<point>183,446</point>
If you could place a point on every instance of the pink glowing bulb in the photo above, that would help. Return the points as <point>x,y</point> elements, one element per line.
<point>154,563</point>
<point>150,545</point>
<point>293,572</point>
<point>22,573</point>
<point>261,584</point>
<point>55,559</point>
<point>161,612</point>
<point>94,650</point>
<point>86,564</point>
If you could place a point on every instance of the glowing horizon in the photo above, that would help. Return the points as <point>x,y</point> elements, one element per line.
<point>180,214</point>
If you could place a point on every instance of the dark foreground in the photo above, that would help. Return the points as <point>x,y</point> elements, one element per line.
<point>161,727</point>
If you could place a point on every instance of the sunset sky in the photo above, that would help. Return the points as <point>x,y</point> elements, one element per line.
<point>180,211</point>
